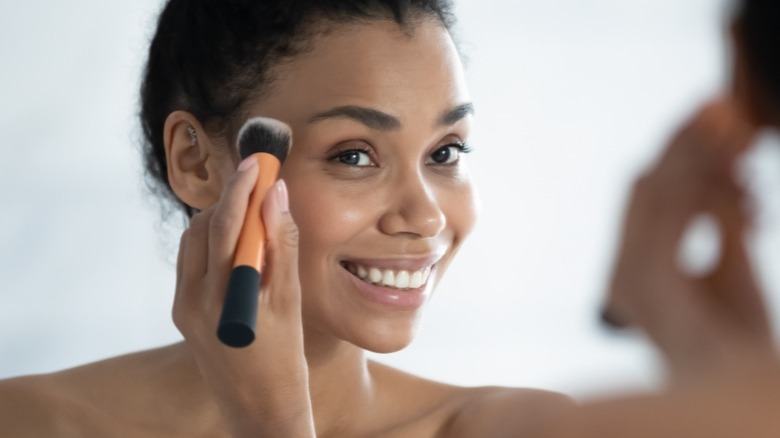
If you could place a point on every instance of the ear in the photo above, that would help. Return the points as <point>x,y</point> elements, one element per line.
<point>195,170</point>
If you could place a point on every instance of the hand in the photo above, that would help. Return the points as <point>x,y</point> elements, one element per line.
<point>701,324</point>
<point>263,388</point>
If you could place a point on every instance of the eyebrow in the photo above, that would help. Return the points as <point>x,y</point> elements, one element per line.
<point>456,114</point>
<point>383,121</point>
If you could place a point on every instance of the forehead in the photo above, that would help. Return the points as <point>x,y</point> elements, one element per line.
<point>416,72</point>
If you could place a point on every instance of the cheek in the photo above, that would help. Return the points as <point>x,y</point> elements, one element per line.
<point>327,218</point>
<point>461,205</point>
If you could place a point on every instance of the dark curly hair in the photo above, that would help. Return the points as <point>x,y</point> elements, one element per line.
<point>760,21</point>
<point>212,57</point>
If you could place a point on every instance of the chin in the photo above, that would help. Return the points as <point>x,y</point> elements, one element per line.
<point>384,346</point>
<point>375,333</point>
<point>387,335</point>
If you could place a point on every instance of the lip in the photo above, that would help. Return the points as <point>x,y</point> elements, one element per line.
<point>398,264</point>
<point>408,299</point>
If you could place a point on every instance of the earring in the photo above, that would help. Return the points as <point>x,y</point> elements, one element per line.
<point>193,134</point>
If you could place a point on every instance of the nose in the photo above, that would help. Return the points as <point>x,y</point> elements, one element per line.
<point>412,209</point>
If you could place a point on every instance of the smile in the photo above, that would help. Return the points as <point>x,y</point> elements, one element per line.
<point>397,279</point>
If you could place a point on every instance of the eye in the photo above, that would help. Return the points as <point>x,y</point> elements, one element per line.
<point>354,157</point>
<point>448,154</point>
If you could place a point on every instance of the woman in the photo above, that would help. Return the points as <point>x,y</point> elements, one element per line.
<point>712,328</point>
<point>378,191</point>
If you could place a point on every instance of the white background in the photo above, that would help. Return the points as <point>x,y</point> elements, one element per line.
<point>573,97</point>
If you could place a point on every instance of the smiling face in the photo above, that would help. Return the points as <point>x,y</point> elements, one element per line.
<point>377,178</point>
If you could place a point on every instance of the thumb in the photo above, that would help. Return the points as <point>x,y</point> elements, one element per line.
<point>280,273</point>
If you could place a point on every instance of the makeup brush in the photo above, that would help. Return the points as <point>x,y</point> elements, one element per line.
<point>267,141</point>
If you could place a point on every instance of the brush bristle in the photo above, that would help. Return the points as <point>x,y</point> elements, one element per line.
<point>262,134</point>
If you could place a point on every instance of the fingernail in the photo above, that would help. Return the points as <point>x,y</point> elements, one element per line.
<point>247,164</point>
<point>281,196</point>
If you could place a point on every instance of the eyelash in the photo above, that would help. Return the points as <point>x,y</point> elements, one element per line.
<point>352,149</point>
<point>463,148</point>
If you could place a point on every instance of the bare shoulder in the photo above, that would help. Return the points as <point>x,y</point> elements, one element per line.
<point>455,411</point>
<point>96,398</point>
<point>27,407</point>
<point>43,405</point>
<point>501,411</point>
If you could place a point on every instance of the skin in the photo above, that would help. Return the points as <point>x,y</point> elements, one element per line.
<point>306,373</point>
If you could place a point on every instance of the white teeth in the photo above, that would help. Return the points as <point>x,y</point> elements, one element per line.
<point>375,275</point>
<point>416,280</point>
<point>402,280</point>
<point>390,278</point>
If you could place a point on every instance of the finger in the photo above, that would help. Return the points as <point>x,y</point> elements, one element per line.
<point>180,257</point>
<point>191,270</point>
<point>657,220</point>
<point>281,284</point>
<point>195,255</point>
<point>177,312</point>
<point>684,144</point>
<point>635,249</point>
<point>228,218</point>
<point>733,282</point>
<point>661,213</point>
<point>681,187</point>
<point>733,129</point>
<point>712,139</point>
<point>668,197</point>
<point>678,311</point>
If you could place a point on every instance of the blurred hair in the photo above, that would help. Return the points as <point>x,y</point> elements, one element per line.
<point>760,20</point>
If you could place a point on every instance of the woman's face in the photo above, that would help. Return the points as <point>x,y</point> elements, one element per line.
<point>379,186</point>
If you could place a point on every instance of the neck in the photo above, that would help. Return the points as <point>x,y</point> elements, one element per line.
<point>340,383</point>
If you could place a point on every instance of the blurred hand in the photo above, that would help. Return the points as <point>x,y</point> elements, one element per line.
<point>263,388</point>
<point>703,324</point>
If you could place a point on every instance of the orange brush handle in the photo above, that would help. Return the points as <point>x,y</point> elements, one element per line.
<point>251,242</point>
